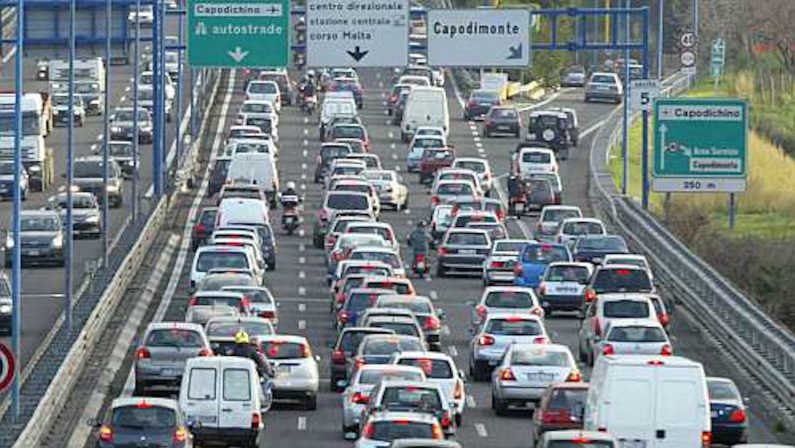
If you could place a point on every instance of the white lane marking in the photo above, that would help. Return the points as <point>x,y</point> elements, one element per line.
<point>301,233</point>
<point>433,295</point>
<point>397,168</point>
<point>10,54</point>
<point>480,428</point>
<point>42,296</point>
<point>592,129</point>
<point>390,134</point>
<point>302,423</point>
<point>303,167</point>
<point>445,330</point>
<point>127,89</point>
<point>476,139</point>
<point>305,142</point>
<point>303,186</point>
<point>471,401</point>
<point>394,156</point>
<point>301,307</point>
<point>306,120</point>
<point>301,260</point>
<point>392,146</point>
<point>453,351</point>
<point>301,291</point>
<point>305,153</point>
<point>302,327</point>
<point>303,176</point>
<point>301,274</point>
<point>99,137</point>
<point>306,131</point>
<point>302,247</point>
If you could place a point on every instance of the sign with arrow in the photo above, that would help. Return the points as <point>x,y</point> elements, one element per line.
<point>479,37</point>
<point>700,145</point>
<point>229,33</point>
<point>357,33</point>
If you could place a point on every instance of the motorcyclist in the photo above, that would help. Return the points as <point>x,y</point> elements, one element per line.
<point>515,192</point>
<point>245,349</point>
<point>419,240</point>
<point>289,196</point>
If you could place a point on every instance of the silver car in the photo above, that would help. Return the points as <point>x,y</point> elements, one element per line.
<point>527,370</point>
<point>463,249</point>
<point>207,304</point>
<point>260,301</point>
<point>166,347</point>
<point>382,428</point>
<point>440,369</point>
<point>634,337</point>
<point>357,394</point>
<point>426,314</point>
<point>498,332</point>
<point>563,286</point>
<point>85,213</point>
<point>297,375</point>
<point>221,331</point>
<point>498,267</point>
<point>390,186</point>
<point>505,299</point>
<point>414,396</point>
<point>550,219</point>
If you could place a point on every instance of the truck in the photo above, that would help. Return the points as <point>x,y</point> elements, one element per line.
<point>89,81</point>
<point>37,123</point>
<point>649,401</point>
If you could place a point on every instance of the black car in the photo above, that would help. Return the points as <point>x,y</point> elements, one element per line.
<point>204,227</point>
<point>593,248</point>
<point>328,152</point>
<point>538,194</point>
<point>218,176</point>
<point>344,349</point>
<point>502,120</point>
<point>122,152</point>
<point>5,305</point>
<point>400,107</point>
<point>480,102</point>
<point>144,421</point>
<point>727,409</point>
<point>551,128</point>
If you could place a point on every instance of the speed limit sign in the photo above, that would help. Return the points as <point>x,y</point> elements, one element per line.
<point>687,39</point>
<point>6,367</point>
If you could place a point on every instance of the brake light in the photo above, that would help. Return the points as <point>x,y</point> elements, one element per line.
<point>489,123</point>
<point>590,295</point>
<point>542,289</point>
<point>581,440</point>
<point>392,98</point>
<point>332,238</point>
<point>575,376</point>
<point>336,255</point>
<point>199,228</point>
<point>267,314</point>
<point>342,317</point>
<point>306,351</point>
<point>664,319</point>
<point>205,352</point>
<point>507,375</point>
<point>360,398</point>
<point>486,339</point>
<point>459,390</point>
<point>443,251</point>
<point>737,416</point>
<point>597,329</point>
<point>432,323</point>
<point>706,439</point>
<point>541,340</point>
<point>471,103</point>
<point>501,214</point>
<point>193,300</point>
<point>256,420</point>
<point>106,434</point>
<point>434,200</point>
<point>497,264</point>
<point>446,421</point>
<point>359,363</point>
<point>341,297</point>
<point>180,435</point>
<point>655,362</point>
<point>338,357</point>
<point>143,353</point>
<point>143,404</point>
<point>369,431</point>
<point>482,311</point>
<point>667,350</point>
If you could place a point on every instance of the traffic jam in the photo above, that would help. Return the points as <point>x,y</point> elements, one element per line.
<point>216,376</point>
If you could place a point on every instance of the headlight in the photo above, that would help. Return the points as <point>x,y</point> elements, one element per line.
<point>92,218</point>
<point>112,188</point>
<point>34,168</point>
<point>57,242</point>
<point>9,242</point>
<point>5,309</point>
<point>55,112</point>
<point>115,129</point>
<point>94,102</point>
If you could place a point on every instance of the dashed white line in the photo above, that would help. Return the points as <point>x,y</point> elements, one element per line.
<point>301,307</point>
<point>306,120</point>
<point>471,401</point>
<point>127,89</point>
<point>453,351</point>
<point>433,295</point>
<point>301,260</point>
<point>446,330</point>
<point>301,291</point>
<point>303,167</point>
<point>302,247</point>
<point>303,176</point>
<point>122,99</point>
<point>301,233</point>
<point>306,131</point>
<point>305,153</point>
<point>394,156</point>
<point>301,326</point>
<point>392,146</point>
<point>301,274</point>
<point>302,423</point>
<point>476,139</point>
<point>305,142</point>
<point>390,134</point>
<point>303,187</point>
<point>480,428</point>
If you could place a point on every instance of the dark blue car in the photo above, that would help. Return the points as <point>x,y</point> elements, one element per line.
<point>727,410</point>
<point>359,300</point>
<point>534,259</point>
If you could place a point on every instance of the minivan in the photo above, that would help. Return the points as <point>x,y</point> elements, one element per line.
<point>426,106</point>
<point>255,168</point>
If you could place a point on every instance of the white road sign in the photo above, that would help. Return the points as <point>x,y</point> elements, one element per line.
<point>687,39</point>
<point>687,58</point>
<point>479,38</point>
<point>357,33</point>
<point>644,92</point>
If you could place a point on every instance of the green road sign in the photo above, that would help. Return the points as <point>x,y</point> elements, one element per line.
<point>248,33</point>
<point>700,145</point>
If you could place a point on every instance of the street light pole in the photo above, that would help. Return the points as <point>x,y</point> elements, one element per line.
<point>136,78</point>
<point>70,154</point>
<point>106,136</point>
<point>660,37</point>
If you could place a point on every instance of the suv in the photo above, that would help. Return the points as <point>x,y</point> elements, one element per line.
<point>88,176</point>
<point>552,128</point>
<point>5,304</point>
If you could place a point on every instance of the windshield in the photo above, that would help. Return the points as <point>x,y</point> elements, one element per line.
<point>144,417</point>
<point>544,253</point>
<point>536,157</point>
<point>622,280</point>
<point>82,201</point>
<point>221,260</point>
<point>388,431</point>
<point>433,368</point>
<point>231,328</point>
<point>30,123</point>
<point>626,309</point>
<point>636,334</point>
<point>509,299</point>
<point>577,274</point>
<point>348,202</point>
<point>174,337</point>
<point>540,357</point>
<point>514,327</point>
<point>47,223</point>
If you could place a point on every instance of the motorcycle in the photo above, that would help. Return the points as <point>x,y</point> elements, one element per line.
<point>420,265</point>
<point>42,70</point>
<point>309,104</point>
<point>291,217</point>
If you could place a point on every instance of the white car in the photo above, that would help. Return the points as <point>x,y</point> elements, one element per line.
<point>536,160</point>
<point>479,166</point>
<point>634,337</point>
<point>446,191</point>
<point>265,91</point>
<point>209,258</point>
<point>261,301</point>
<point>297,376</point>
<point>146,79</point>
<point>506,299</point>
<point>382,229</point>
<point>262,107</point>
<point>384,254</point>
<point>631,259</point>
<point>440,369</point>
<point>391,188</point>
<point>551,217</point>
<point>499,265</point>
<point>460,174</point>
<point>573,228</point>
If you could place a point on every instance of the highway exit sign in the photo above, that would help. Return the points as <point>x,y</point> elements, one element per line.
<point>228,33</point>
<point>700,145</point>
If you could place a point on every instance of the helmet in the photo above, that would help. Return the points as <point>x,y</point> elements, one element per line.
<point>291,185</point>
<point>421,224</point>
<point>241,337</point>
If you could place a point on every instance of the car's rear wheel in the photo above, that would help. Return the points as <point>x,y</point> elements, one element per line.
<point>440,271</point>
<point>311,403</point>
<point>499,406</point>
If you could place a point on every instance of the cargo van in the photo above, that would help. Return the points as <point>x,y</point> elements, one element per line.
<point>426,106</point>
<point>650,401</point>
<point>223,395</point>
<point>241,211</point>
<point>255,168</point>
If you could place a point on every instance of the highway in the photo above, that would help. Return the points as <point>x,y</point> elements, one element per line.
<point>43,287</point>
<point>300,288</point>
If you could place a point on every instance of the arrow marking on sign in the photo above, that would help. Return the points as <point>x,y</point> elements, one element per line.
<point>663,130</point>
<point>515,52</point>
<point>238,55</point>
<point>357,54</point>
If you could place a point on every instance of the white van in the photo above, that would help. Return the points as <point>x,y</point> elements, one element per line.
<point>426,106</point>
<point>650,401</point>
<point>241,211</point>
<point>223,394</point>
<point>255,168</point>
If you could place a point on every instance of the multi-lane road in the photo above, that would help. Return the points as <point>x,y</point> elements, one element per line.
<point>302,294</point>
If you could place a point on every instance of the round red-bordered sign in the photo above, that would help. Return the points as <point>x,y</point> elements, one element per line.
<point>6,367</point>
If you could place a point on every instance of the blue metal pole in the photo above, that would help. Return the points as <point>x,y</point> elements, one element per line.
<point>16,254</point>
<point>193,113</point>
<point>645,148</point>
<point>106,136</point>
<point>178,116</point>
<point>157,153</point>
<point>136,80</point>
<point>660,36</point>
<point>161,94</point>
<point>70,154</point>
<point>595,54</point>
<point>625,130</point>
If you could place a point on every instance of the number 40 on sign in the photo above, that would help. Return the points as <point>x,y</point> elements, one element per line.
<point>643,92</point>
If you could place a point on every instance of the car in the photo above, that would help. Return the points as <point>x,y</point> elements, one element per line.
<point>146,100</point>
<point>459,174</point>
<point>538,193</point>
<point>42,239</point>
<point>343,351</point>
<point>441,219</point>
<point>625,258</point>
<point>727,411</point>
<point>203,227</point>
<point>536,160</point>
<point>379,348</point>
<point>156,421</point>
<point>605,311</point>
<point>297,376</point>
<point>573,122</point>
<point>221,331</point>
<point>85,213</point>
<point>205,305</point>
<point>282,78</point>
<point>121,125</point>
<point>357,393</point>
<point>363,267</point>
<point>505,299</point>
<point>342,287</point>
<point>382,428</point>
<point>463,250</point>
<point>439,368</point>
<point>356,303</point>
<point>123,153</point>
<point>145,79</point>
<point>336,108</point>
<point>218,175</point>
<point>7,181</point>
<point>502,120</point>
<point>399,285</point>
<point>481,167</point>
<point>434,159</point>
<point>604,86</point>
<point>447,191</point>
<point>550,219</point>
<point>335,202</point>
<point>371,161</point>
<point>424,443</point>
<point>634,337</point>
<point>337,227</point>
<point>6,305</point>
<point>496,230</point>
<point>401,324</point>
<point>429,317</point>
<point>348,84</point>
<point>479,103</point>
<point>400,107</point>
<point>391,188</point>
<point>574,438</point>
<point>347,243</point>
<point>357,185</point>
<point>573,76</point>
<point>422,397</point>
<point>383,254</point>
<point>593,248</point>
<point>527,370</point>
<point>224,257</point>
<point>563,287</point>
<point>550,127</point>
<point>417,147</point>
<point>534,259</point>
<point>88,177</point>
<point>498,332</point>
<point>349,130</point>
<point>419,70</point>
<point>573,228</point>
<point>260,301</point>
<point>415,80</point>
<point>619,278</point>
<point>264,91</point>
<point>165,348</point>
<point>60,110</point>
<point>394,96</point>
<point>258,107</point>
<point>498,266</point>
<point>263,230</point>
<point>562,407</point>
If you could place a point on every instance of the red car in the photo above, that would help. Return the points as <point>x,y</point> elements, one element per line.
<point>434,159</point>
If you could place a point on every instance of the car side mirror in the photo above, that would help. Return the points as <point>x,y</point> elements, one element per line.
<point>461,374</point>
<point>94,423</point>
<point>193,424</point>
<point>441,314</point>
<point>342,384</point>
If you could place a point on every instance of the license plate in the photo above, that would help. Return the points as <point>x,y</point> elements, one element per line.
<point>602,88</point>
<point>632,443</point>
<point>204,418</point>
<point>531,136</point>
<point>33,253</point>
<point>282,369</point>
<point>289,220</point>
<point>714,414</point>
<point>503,127</point>
<point>170,372</point>
<point>467,251</point>
<point>540,376</point>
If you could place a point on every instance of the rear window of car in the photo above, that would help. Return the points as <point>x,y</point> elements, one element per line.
<point>509,299</point>
<point>387,431</point>
<point>383,232</point>
<point>234,302</point>
<point>486,95</point>
<point>416,305</point>
<point>231,328</point>
<point>215,283</point>
<point>509,246</point>
<point>237,385</point>
<point>404,328</point>
<point>514,327</point>
<point>571,399</point>
<point>333,151</point>
<point>253,295</point>
<point>435,154</point>
<point>385,257</point>
<point>347,202</point>
<point>262,87</point>
<point>201,384</point>
<point>539,357</point>
<point>578,274</point>
<point>556,215</point>
<point>348,132</point>
<point>464,220</point>
<point>374,376</point>
<point>626,309</point>
<point>722,390</point>
<point>411,397</point>
<point>359,301</point>
<point>622,280</point>
<point>261,108</point>
<point>397,287</point>
<point>351,340</point>
<point>612,244</point>
<point>433,368</point>
<point>536,157</point>
<point>428,143</point>
<point>603,79</point>
<point>174,337</point>
<point>539,186</point>
<point>477,167</point>
<point>143,417</point>
<point>580,444</point>
<point>455,189</point>
<point>503,113</point>
<point>221,260</point>
<point>467,239</point>
<point>387,346</point>
<point>636,334</point>
<point>544,253</point>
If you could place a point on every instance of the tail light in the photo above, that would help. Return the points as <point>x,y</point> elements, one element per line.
<point>205,352</point>
<point>369,431</point>
<point>431,323</point>
<point>489,123</point>
<point>664,319</point>
<point>106,434</point>
<point>575,376</point>
<point>306,351</point>
<point>143,353</point>
<point>706,439</point>
<point>434,200</point>
<point>538,311</point>
<point>256,420</point>
<point>458,394</point>
<point>497,264</point>
<point>446,421</point>
<point>192,301</point>
<point>180,435</point>
<point>486,339</point>
<point>737,416</point>
<point>518,270</point>
<point>246,302</point>
<point>556,416</point>
<point>332,238</point>
<point>199,228</point>
<point>437,432</point>
<point>501,214</point>
<point>360,398</point>
<point>342,317</point>
<point>482,311</point>
<point>341,297</point>
<point>590,295</point>
<point>667,350</point>
<point>267,314</point>
<point>608,350</point>
<point>338,357</point>
<point>336,255</point>
<point>541,340</point>
<point>542,289</point>
<point>392,98</point>
<point>359,363</point>
<point>443,251</point>
<point>507,375</point>
<point>471,103</point>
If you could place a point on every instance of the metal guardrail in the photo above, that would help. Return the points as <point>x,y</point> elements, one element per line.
<point>762,346</point>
